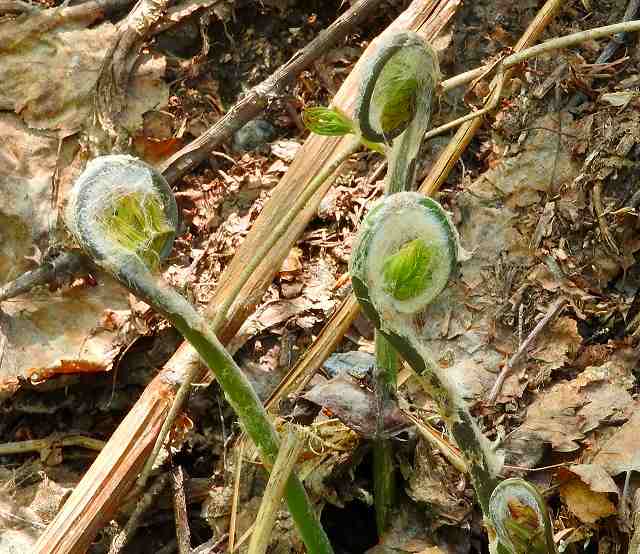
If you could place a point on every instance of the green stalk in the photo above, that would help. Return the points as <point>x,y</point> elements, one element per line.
<point>264,249</point>
<point>384,482</point>
<point>100,207</point>
<point>395,109</point>
<point>394,284</point>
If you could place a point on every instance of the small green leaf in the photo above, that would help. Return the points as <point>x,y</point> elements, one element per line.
<point>138,223</point>
<point>327,121</point>
<point>399,106</point>
<point>408,272</point>
<point>398,89</point>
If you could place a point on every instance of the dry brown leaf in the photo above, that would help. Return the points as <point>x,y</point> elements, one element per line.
<point>292,264</point>
<point>521,180</point>
<point>356,407</point>
<point>562,415</point>
<point>319,286</point>
<point>558,342</point>
<point>268,315</point>
<point>433,482</point>
<point>43,332</point>
<point>72,55</point>
<point>541,275</point>
<point>32,495</point>
<point>285,149</point>
<point>587,505</point>
<point>620,453</point>
<point>27,163</point>
<point>595,477</point>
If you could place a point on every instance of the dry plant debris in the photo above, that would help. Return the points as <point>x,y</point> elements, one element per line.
<point>545,200</point>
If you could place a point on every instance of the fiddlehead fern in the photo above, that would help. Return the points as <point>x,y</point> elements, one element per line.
<point>520,518</point>
<point>395,100</point>
<point>123,214</point>
<point>392,114</point>
<point>405,252</point>
<point>393,109</point>
<point>403,258</point>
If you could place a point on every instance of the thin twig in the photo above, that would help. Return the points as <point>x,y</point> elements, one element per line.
<point>518,58</point>
<point>598,208</point>
<point>212,545</point>
<point>491,105</point>
<point>254,101</point>
<point>43,445</point>
<point>236,496</point>
<point>570,40</point>
<point>434,438</point>
<point>290,450</point>
<point>183,533</point>
<point>121,539</point>
<point>553,310</point>
<point>243,538</point>
<point>610,49</point>
<point>63,267</point>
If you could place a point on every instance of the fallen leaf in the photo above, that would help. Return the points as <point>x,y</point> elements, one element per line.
<point>356,407</point>
<point>620,453</point>
<point>267,316</point>
<point>292,264</point>
<point>72,53</point>
<point>595,477</point>
<point>587,505</point>
<point>433,483</point>
<point>521,179</point>
<point>285,149</point>
<point>562,415</point>
<point>45,332</point>
<point>278,167</point>
<point>618,99</point>
<point>558,342</point>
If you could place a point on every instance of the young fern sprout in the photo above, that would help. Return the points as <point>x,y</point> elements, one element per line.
<point>123,214</point>
<point>520,518</point>
<point>330,122</point>
<point>393,110</point>
<point>404,255</point>
<point>394,106</point>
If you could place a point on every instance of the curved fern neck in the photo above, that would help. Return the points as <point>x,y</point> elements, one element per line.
<point>124,216</point>
<point>403,257</point>
<point>395,102</point>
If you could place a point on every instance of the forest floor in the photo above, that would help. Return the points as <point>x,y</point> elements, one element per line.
<point>545,198</point>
